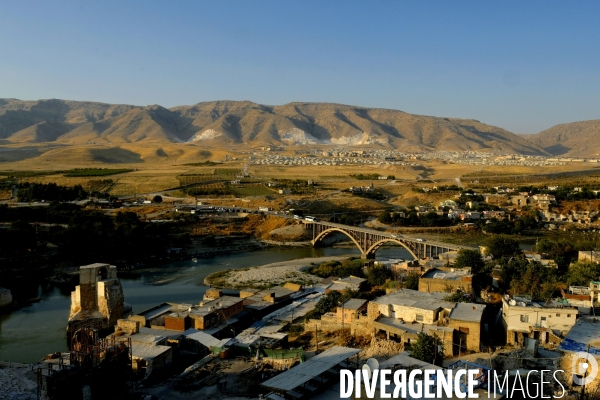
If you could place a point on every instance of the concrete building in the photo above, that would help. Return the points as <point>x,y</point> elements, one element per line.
<point>437,280</point>
<point>466,320</point>
<point>350,282</point>
<point>593,256</point>
<point>585,298</point>
<point>404,314</point>
<point>350,310</point>
<point>180,317</point>
<point>584,336</point>
<point>547,322</point>
<point>98,297</point>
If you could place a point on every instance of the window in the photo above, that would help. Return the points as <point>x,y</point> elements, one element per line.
<point>524,318</point>
<point>568,315</point>
<point>419,318</point>
<point>558,315</point>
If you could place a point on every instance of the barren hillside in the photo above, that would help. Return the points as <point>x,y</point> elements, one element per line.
<point>243,122</point>
<point>574,139</point>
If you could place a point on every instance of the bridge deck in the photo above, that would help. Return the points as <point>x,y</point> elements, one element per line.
<point>370,239</point>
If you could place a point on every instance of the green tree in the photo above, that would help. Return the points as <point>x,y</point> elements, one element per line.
<point>458,297</point>
<point>502,246</point>
<point>561,251</point>
<point>377,275</point>
<point>427,348</point>
<point>468,258</point>
<point>385,217</point>
<point>535,280</point>
<point>581,273</point>
<point>412,281</point>
<point>328,302</point>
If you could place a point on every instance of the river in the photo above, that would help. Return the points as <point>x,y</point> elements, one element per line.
<point>30,333</point>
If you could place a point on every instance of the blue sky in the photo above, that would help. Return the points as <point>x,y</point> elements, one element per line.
<point>522,65</point>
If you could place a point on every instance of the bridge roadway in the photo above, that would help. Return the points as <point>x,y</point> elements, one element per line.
<point>369,240</point>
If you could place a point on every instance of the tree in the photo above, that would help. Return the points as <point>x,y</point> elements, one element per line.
<point>427,348</point>
<point>468,258</point>
<point>328,302</point>
<point>458,297</point>
<point>377,275</point>
<point>412,281</point>
<point>157,199</point>
<point>502,246</point>
<point>561,251</point>
<point>385,217</point>
<point>534,279</point>
<point>581,273</point>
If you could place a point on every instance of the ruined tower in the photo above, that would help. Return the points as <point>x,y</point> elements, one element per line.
<point>98,297</point>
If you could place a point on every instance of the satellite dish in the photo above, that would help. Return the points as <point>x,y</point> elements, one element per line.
<point>368,370</point>
<point>373,364</point>
<point>512,302</point>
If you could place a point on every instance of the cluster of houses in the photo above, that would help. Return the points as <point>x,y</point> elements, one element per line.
<point>251,323</point>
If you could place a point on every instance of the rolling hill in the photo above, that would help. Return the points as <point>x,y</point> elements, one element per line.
<point>221,123</point>
<point>580,139</point>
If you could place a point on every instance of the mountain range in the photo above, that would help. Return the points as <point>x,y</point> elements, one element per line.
<point>230,123</point>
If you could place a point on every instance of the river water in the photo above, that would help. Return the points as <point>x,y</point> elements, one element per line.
<point>32,332</point>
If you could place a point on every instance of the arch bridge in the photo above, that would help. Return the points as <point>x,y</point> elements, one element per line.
<point>369,240</point>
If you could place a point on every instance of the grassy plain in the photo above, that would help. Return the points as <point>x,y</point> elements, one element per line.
<point>157,168</point>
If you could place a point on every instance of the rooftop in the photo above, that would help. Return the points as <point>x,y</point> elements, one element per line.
<point>350,280</point>
<point>354,304</point>
<point>413,327</point>
<point>98,265</point>
<point>310,369</point>
<point>586,331</point>
<point>455,275</point>
<point>526,302</point>
<point>415,299</point>
<point>148,352</point>
<point>467,312</point>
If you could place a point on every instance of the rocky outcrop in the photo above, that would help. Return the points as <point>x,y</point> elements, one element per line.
<point>5,297</point>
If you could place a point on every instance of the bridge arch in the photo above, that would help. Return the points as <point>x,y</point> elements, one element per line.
<point>371,250</point>
<point>329,231</point>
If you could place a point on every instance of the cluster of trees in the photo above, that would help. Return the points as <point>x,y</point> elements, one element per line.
<point>87,234</point>
<point>27,192</point>
<point>376,275</point>
<point>365,177</point>
<point>351,266</point>
<point>523,276</point>
<point>411,218</point>
<point>348,219</point>
<point>563,192</point>
<point>514,227</point>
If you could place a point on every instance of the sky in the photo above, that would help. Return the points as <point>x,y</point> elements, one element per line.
<point>521,65</point>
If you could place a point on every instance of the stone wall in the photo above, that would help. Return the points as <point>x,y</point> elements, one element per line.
<point>128,326</point>
<point>469,332</point>
<point>430,285</point>
<point>357,327</point>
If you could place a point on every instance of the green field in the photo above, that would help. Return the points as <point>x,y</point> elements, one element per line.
<point>27,174</point>
<point>78,172</point>
<point>253,190</point>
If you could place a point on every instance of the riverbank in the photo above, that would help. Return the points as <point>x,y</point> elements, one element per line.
<point>269,274</point>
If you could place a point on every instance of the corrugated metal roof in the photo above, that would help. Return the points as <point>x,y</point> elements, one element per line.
<point>204,338</point>
<point>312,368</point>
<point>354,304</point>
